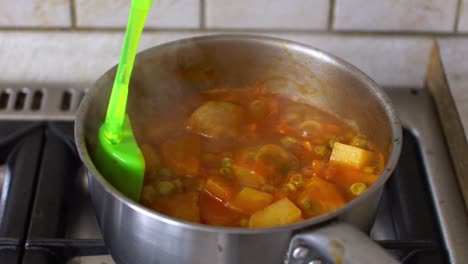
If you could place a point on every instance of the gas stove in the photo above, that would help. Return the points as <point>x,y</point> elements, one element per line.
<point>46,215</point>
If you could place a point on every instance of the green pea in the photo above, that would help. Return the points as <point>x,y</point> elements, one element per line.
<point>288,141</point>
<point>297,180</point>
<point>358,188</point>
<point>226,172</point>
<point>321,150</point>
<point>166,187</point>
<point>290,187</point>
<point>227,162</point>
<point>360,142</point>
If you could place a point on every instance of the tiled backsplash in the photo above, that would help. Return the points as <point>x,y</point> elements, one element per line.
<point>300,15</point>
<point>59,40</point>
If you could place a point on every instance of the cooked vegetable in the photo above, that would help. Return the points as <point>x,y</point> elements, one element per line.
<point>248,177</point>
<point>166,188</point>
<point>255,159</point>
<point>321,151</point>
<point>289,187</point>
<point>359,141</point>
<point>288,141</point>
<point>345,176</point>
<point>307,145</point>
<point>275,161</point>
<point>250,200</point>
<point>226,172</point>
<point>310,128</point>
<point>319,196</point>
<point>217,119</point>
<point>215,212</point>
<point>193,184</point>
<point>297,180</point>
<point>358,188</point>
<point>227,162</point>
<point>221,188</point>
<point>350,155</point>
<point>281,212</point>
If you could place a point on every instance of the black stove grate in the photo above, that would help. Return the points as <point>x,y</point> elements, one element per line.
<point>57,223</point>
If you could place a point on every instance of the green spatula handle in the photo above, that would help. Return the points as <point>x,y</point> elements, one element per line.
<point>118,99</point>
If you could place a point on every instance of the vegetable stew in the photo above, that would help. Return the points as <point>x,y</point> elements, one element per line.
<point>251,158</point>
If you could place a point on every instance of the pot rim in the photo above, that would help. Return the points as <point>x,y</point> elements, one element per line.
<point>396,132</point>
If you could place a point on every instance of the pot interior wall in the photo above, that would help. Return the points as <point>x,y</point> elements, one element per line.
<point>167,80</point>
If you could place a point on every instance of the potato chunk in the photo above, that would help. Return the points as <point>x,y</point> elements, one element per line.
<point>217,119</point>
<point>350,155</point>
<point>275,162</point>
<point>282,212</point>
<point>248,177</point>
<point>250,200</point>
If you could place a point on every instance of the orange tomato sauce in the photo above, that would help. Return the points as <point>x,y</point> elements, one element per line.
<point>250,158</point>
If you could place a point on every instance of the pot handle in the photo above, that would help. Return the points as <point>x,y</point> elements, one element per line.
<point>336,242</point>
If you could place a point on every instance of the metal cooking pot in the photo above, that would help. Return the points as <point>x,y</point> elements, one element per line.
<point>164,75</point>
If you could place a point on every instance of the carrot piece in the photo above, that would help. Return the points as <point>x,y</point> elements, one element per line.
<point>220,188</point>
<point>319,197</point>
<point>214,212</point>
<point>345,176</point>
<point>250,200</point>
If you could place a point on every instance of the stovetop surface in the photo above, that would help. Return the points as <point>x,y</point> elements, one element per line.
<point>46,215</point>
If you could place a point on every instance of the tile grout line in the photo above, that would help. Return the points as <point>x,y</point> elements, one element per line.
<point>331,15</point>
<point>457,15</point>
<point>73,14</point>
<point>239,30</point>
<point>202,10</point>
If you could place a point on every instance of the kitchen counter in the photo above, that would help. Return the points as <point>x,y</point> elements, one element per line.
<point>448,81</point>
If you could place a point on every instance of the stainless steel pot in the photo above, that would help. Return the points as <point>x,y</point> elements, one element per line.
<point>164,75</point>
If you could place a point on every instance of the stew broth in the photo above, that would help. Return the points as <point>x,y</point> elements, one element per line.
<point>251,158</point>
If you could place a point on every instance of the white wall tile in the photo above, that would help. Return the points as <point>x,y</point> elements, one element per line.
<point>39,57</point>
<point>114,13</point>
<point>395,15</point>
<point>463,22</point>
<point>65,57</point>
<point>280,14</point>
<point>35,13</point>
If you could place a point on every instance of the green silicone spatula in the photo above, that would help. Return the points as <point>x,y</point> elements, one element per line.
<point>118,157</point>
